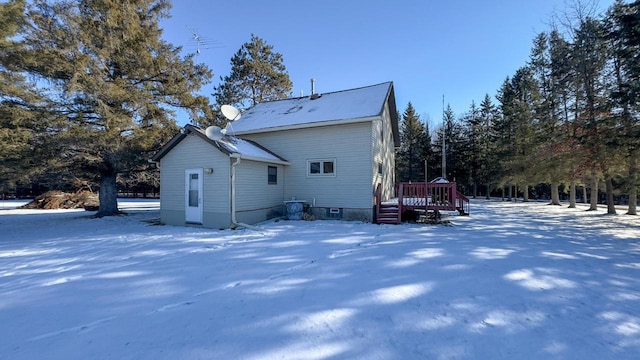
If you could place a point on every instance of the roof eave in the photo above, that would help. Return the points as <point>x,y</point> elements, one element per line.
<point>393,113</point>
<point>175,140</point>
<point>184,132</point>
<point>259,159</point>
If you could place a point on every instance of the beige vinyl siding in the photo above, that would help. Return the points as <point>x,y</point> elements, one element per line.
<point>348,144</point>
<point>252,188</point>
<point>193,152</point>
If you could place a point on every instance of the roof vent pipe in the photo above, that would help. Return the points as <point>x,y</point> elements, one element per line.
<point>313,86</point>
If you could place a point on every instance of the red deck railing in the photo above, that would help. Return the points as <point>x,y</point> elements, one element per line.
<point>430,197</point>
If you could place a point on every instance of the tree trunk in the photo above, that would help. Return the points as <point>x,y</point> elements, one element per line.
<point>475,189</point>
<point>584,195</point>
<point>555,195</point>
<point>594,191</point>
<point>108,196</point>
<point>633,188</point>
<point>572,194</point>
<point>525,193</point>
<point>611,207</point>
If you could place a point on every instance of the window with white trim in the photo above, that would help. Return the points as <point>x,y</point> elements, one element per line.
<point>272,175</point>
<point>321,167</point>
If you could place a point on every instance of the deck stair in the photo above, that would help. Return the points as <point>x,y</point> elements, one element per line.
<point>388,214</point>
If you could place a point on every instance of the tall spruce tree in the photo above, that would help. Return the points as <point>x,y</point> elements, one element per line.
<point>563,131</point>
<point>504,129</point>
<point>478,147</point>
<point>258,74</point>
<point>473,151</point>
<point>454,166</point>
<point>525,102</point>
<point>415,147</point>
<point>488,159</point>
<point>622,24</point>
<point>113,80</point>
<point>548,138</point>
<point>589,54</point>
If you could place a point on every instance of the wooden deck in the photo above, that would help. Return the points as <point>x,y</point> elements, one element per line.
<point>430,198</point>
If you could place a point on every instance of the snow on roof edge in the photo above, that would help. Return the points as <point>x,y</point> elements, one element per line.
<point>326,93</point>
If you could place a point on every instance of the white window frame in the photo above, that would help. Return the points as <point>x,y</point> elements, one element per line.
<point>275,182</point>
<point>322,173</point>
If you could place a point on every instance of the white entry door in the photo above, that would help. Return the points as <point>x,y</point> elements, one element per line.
<point>193,196</point>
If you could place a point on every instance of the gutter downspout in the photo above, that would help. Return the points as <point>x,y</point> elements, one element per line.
<point>150,161</point>
<point>233,196</point>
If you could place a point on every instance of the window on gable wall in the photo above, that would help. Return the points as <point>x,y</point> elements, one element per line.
<point>272,175</point>
<point>321,167</point>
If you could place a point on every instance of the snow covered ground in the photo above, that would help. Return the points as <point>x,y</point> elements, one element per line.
<point>512,281</point>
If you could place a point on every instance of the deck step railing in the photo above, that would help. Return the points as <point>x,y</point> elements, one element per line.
<point>462,204</point>
<point>386,213</point>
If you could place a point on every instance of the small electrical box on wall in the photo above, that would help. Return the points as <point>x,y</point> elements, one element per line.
<point>334,213</point>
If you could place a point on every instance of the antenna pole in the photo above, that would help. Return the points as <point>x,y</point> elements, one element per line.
<point>426,177</point>
<point>198,39</point>
<point>444,148</point>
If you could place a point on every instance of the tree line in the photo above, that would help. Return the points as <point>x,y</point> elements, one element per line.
<point>89,90</point>
<point>568,119</point>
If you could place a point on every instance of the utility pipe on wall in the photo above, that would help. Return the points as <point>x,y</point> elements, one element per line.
<point>233,195</point>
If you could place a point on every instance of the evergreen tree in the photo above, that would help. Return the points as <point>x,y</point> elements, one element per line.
<point>114,82</point>
<point>504,129</point>
<point>623,34</point>
<point>563,131</point>
<point>428,154</point>
<point>452,133</point>
<point>257,74</point>
<point>488,157</point>
<point>473,151</point>
<point>525,103</point>
<point>550,163</point>
<point>24,116</point>
<point>478,147</point>
<point>589,54</point>
<point>415,147</point>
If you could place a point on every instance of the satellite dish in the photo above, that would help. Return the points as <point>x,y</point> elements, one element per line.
<point>230,112</point>
<point>214,133</point>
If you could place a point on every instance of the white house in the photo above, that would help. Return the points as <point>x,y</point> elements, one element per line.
<point>328,152</point>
